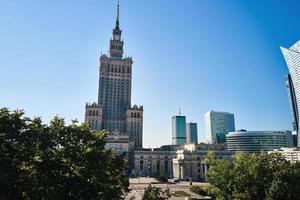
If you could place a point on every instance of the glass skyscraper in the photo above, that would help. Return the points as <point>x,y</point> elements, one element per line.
<point>292,58</point>
<point>217,125</point>
<point>191,133</point>
<point>293,102</point>
<point>178,130</point>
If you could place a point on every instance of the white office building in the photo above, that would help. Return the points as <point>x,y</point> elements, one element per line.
<point>258,141</point>
<point>217,125</point>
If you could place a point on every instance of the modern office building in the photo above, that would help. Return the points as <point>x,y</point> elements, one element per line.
<point>178,130</point>
<point>191,133</point>
<point>113,111</point>
<point>217,125</point>
<point>258,141</point>
<point>292,58</point>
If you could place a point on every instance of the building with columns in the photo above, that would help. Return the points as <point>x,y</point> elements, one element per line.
<point>177,161</point>
<point>113,112</point>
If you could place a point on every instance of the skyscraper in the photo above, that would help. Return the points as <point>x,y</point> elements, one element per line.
<point>178,130</point>
<point>292,58</point>
<point>292,100</point>
<point>217,125</point>
<point>191,133</point>
<point>113,111</point>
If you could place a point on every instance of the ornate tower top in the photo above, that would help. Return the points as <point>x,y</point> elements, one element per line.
<point>117,31</point>
<point>116,44</point>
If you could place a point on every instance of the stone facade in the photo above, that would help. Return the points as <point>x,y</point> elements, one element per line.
<point>190,164</point>
<point>183,162</point>
<point>153,163</point>
<point>93,115</point>
<point>134,125</point>
<point>116,115</point>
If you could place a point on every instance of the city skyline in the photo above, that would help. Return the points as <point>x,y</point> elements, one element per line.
<point>161,81</point>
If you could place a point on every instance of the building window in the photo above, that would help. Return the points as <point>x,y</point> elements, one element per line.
<point>166,166</point>
<point>141,165</point>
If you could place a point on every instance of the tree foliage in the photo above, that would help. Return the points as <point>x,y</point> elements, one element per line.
<point>155,193</point>
<point>57,161</point>
<point>198,190</point>
<point>254,176</point>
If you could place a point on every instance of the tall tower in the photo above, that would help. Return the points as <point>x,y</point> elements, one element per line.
<point>114,92</point>
<point>293,102</point>
<point>191,133</point>
<point>178,129</point>
<point>292,58</point>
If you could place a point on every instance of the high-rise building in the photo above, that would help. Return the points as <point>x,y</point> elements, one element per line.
<point>178,130</point>
<point>191,133</point>
<point>217,125</point>
<point>113,111</point>
<point>292,58</point>
<point>293,102</point>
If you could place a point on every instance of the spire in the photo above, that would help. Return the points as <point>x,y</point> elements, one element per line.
<point>117,21</point>
<point>179,110</point>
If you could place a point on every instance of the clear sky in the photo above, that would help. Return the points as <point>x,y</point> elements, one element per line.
<point>200,54</point>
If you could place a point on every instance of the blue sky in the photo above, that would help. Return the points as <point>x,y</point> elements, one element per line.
<point>200,54</point>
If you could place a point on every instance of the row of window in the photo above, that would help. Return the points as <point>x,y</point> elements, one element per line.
<point>93,113</point>
<point>135,115</point>
<point>116,47</point>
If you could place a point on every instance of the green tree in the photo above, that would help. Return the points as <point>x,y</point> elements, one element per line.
<point>155,193</point>
<point>198,190</point>
<point>254,176</point>
<point>57,161</point>
<point>220,177</point>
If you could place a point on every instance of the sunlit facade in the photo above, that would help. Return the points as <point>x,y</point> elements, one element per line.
<point>258,141</point>
<point>217,125</point>
<point>292,58</point>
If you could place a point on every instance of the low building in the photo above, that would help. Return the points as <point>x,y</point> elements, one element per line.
<point>290,154</point>
<point>181,162</point>
<point>190,164</point>
<point>258,141</point>
<point>153,163</point>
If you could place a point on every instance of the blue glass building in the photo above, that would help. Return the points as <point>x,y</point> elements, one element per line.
<point>191,133</point>
<point>178,130</point>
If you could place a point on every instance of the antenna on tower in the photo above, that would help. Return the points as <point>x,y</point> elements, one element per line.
<point>117,21</point>
<point>179,110</point>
